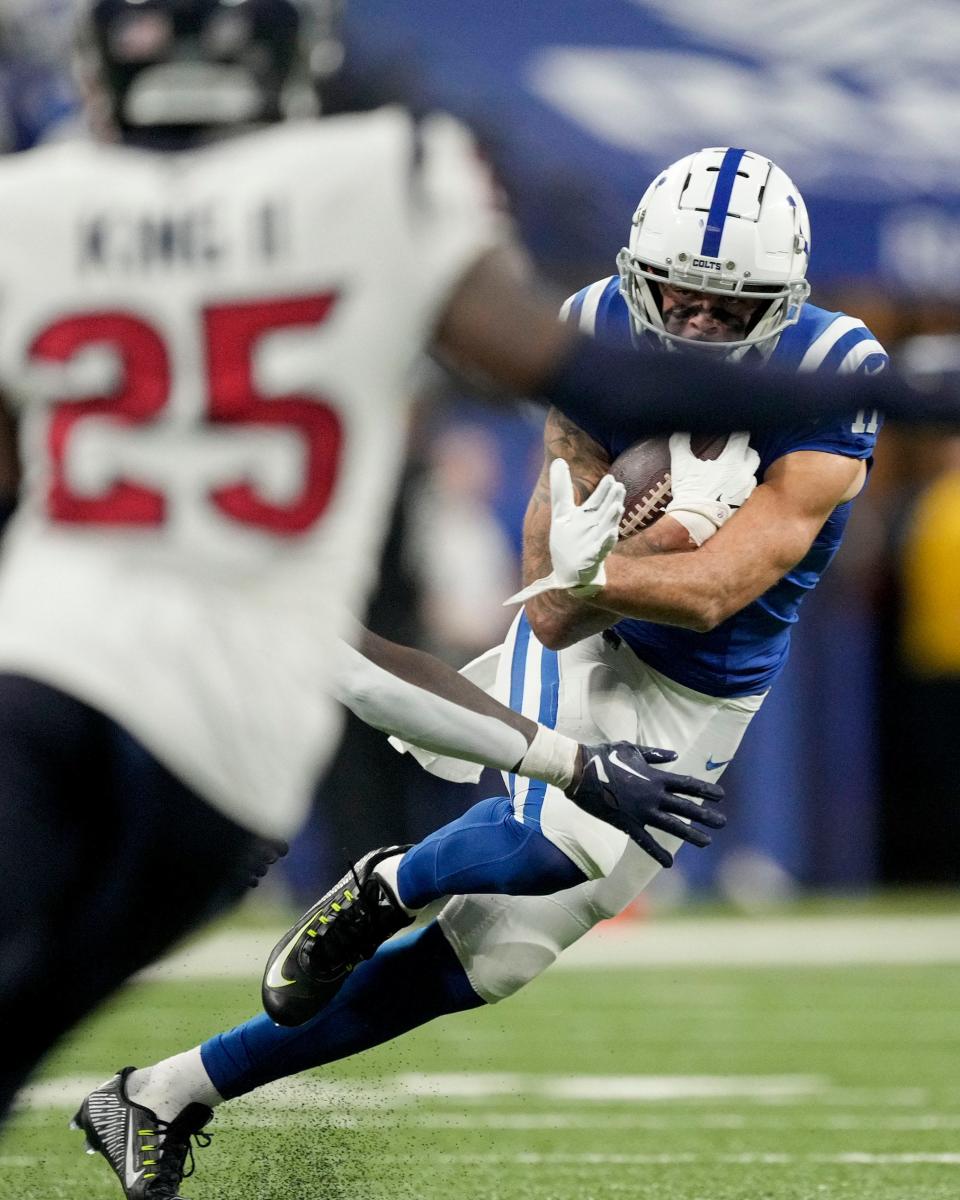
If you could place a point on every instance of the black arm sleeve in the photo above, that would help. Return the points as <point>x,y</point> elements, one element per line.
<point>665,392</point>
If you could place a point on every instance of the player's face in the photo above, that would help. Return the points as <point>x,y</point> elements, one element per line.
<point>704,316</point>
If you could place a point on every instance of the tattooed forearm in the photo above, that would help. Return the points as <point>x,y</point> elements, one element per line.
<point>558,611</point>
<point>536,534</point>
<point>554,607</point>
<point>572,619</point>
<point>557,626</point>
<point>587,459</point>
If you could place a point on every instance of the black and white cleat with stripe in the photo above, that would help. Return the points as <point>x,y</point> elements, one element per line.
<point>150,1157</point>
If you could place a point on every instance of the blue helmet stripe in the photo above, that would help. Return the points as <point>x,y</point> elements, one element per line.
<point>717,216</point>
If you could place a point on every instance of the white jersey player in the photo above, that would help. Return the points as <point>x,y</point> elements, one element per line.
<point>211,446</point>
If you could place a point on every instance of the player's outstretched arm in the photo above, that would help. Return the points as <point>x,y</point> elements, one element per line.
<point>498,322</point>
<point>420,699</point>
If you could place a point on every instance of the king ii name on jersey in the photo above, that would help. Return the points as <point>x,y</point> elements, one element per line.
<point>745,653</point>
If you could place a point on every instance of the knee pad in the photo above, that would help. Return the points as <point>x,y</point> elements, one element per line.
<point>503,942</point>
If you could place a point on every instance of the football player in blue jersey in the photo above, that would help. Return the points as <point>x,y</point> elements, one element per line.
<point>690,624</point>
<point>672,638</point>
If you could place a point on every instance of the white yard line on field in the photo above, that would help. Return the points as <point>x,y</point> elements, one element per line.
<point>648,1120</point>
<point>851,1158</point>
<point>402,1090</point>
<point>714,942</point>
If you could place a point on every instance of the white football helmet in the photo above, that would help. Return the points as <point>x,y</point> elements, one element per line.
<point>726,221</point>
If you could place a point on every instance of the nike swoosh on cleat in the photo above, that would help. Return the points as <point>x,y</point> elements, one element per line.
<point>275,976</point>
<point>615,760</point>
<point>715,766</point>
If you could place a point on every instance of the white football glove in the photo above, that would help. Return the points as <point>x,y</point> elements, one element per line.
<point>581,536</point>
<point>707,492</point>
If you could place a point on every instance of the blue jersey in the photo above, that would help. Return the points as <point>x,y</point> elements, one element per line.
<point>745,653</point>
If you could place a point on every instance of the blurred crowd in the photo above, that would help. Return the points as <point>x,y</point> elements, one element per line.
<point>848,777</point>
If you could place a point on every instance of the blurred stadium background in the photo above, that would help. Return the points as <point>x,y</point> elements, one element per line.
<point>853,758</point>
<point>847,782</point>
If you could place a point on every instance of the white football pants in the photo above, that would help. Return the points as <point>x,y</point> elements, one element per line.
<point>595,691</point>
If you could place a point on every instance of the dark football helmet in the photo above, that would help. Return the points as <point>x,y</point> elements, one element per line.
<point>178,68</point>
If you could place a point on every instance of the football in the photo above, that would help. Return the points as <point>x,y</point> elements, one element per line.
<point>644,470</point>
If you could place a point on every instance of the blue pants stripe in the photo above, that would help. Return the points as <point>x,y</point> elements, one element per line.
<point>549,699</point>
<point>518,671</point>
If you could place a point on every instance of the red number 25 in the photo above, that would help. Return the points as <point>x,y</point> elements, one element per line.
<point>231,335</point>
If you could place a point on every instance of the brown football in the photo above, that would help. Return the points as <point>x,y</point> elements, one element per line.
<point>644,470</point>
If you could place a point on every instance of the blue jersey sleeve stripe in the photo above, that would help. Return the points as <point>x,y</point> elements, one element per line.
<point>868,348</point>
<point>822,344</point>
<point>833,359</point>
<point>717,216</point>
<point>589,311</point>
<point>599,311</point>
<point>573,307</point>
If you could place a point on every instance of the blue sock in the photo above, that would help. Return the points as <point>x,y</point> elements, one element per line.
<point>408,982</point>
<point>485,850</point>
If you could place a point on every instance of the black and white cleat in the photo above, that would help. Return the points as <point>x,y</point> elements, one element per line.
<point>150,1157</point>
<point>348,924</point>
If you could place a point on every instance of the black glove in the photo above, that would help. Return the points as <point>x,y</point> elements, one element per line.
<point>618,786</point>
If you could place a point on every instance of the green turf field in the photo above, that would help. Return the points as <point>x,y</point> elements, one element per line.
<point>754,1083</point>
